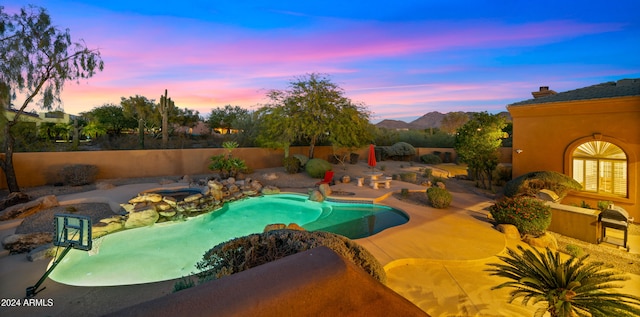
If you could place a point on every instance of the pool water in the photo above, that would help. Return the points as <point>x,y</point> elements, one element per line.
<point>171,250</point>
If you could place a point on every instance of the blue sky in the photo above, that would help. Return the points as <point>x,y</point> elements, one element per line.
<point>401,59</point>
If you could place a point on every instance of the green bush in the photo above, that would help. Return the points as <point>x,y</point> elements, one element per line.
<point>317,167</point>
<point>401,150</point>
<point>531,183</point>
<point>439,197</point>
<point>427,172</point>
<point>430,159</point>
<point>302,158</point>
<point>246,252</point>
<point>574,250</point>
<point>78,174</point>
<point>291,165</point>
<point>529,215</point>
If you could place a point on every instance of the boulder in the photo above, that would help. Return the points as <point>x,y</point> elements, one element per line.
<point>441,185</point>
<point>510,231</point>
<point>274,226</point>
<point>153,197</point>
<point>325,190</point>
<point>548,195</point>
<point>14,199</point>
<point>107,226</point>
<point>214,185</point>
<point>171,201</point>
<point>270,190</point>
<point>29,208</point>
<point>192,198</point>
<point>168,213</point>
<point>295,226</point>
<point>20,243</point>
<point>142,217</point>
<point>544,241</point>
<point>316,195</point>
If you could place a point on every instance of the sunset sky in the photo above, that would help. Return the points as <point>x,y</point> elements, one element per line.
<point>401,59</point>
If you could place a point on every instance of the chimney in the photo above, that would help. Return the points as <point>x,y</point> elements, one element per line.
<point>544,91</point>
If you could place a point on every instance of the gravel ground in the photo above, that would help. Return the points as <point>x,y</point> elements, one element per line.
<point>43,221</point>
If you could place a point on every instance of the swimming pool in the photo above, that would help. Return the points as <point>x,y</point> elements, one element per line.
<point>170,250</point>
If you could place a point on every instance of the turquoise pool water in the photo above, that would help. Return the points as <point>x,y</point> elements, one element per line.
<point>171,250</point>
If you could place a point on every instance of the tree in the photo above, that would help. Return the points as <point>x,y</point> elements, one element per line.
<point>37,60</point>
<point>227,117</point>
<point>452,121</point>
<point>142,110</point>
<point>477,143</point>
<point>109,117</point>
<point>315,110</point>
<point>574,287</point>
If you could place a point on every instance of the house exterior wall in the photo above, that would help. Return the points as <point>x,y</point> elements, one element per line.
<point>548,133</point>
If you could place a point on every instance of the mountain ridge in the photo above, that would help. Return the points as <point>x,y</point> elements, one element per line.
<point>428,120</point>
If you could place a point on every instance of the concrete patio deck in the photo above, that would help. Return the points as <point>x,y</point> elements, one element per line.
<point>436,260</point>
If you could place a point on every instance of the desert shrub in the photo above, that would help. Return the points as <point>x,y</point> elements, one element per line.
<point>408,177</point>
<point>183,283</point>
<point>529,215</point>
<point>502,174</point>
<point>404,192</point>
<point>439,197</point>
<point>291,165</point>
<point>302,158</point>
<point>430,159</point>
<point>427,172</point>
<point>604,204</point>
<point>574,250</point>
<point>317,167</point>
<point>400,151</point>
<point>246,252</point>
<point>437,179</point>
<point>78,174</point>
<point>531,183</point>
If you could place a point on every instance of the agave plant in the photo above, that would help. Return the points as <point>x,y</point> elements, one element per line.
<point>573,287</point>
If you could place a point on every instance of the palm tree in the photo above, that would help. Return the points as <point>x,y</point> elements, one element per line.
<point>571,288</point>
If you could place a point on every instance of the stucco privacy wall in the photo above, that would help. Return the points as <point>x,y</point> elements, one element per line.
<point>548,133</point>
<point>40,168</point>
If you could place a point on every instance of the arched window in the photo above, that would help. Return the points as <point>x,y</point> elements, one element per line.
<point>601,167</point>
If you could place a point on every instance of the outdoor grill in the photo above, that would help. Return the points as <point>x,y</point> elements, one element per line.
<point>614,217</point>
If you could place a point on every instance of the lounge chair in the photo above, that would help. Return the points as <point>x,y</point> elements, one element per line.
<point>328,178</point>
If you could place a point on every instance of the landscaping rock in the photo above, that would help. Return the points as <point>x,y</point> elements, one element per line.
<point>107,226</point>
<point>510,231</point>
<point>20,243</point>
<point>14,199</point>
<point>142,218</point>
<point>295,226</point>
<point>544,241</point>
<point>270,190</point>
<point>324,189</point>
<point>548,195</point>
<point>316,195</point>
<point>29,208</point>
<point>274,226</point>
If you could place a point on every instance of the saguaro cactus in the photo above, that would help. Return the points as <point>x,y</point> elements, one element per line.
<point>166,104</point>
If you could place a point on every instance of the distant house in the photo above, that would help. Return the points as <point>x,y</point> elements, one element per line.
<point>591,134</point>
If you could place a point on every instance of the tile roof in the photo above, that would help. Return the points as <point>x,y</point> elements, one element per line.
<point>621,88</point>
